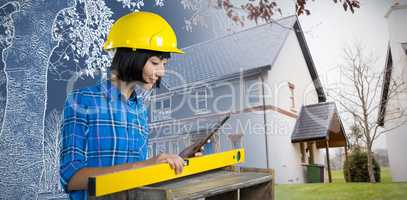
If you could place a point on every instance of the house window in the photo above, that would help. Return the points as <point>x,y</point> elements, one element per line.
<point>201,100</point>
<point>291,86</point>
<point>162,109</point>
<point>252,91</point>
<point>404,46</point>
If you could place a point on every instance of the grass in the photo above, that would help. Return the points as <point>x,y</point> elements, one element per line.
<point>340,190</point>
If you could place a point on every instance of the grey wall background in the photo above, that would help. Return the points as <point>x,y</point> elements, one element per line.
<point>49,47</point>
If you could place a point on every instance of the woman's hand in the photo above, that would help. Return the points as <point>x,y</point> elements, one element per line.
<point>175,162</point>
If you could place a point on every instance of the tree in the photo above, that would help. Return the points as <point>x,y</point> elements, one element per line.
<point>354,169</point>
<point>52,148</point>
<point>265,9</point>
<point>360,97</point>
<point>253,10</point>
<point>355,136</point>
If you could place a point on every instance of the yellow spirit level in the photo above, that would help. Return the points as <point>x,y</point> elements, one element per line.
<point>129,179</point>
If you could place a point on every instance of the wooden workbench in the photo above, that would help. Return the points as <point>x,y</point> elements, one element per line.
<point>222,184</point>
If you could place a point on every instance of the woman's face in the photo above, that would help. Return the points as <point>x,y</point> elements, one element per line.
<point>153,70</point>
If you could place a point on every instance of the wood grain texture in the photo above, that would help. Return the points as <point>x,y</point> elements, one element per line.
<point>231,184</point>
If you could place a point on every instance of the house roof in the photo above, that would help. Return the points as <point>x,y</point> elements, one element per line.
<point>385,87</point>
<point>319,122</point>
<point>252,48</point>
<point>399,4</point>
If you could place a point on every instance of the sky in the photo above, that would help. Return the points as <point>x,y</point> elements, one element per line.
<point>329,30</point>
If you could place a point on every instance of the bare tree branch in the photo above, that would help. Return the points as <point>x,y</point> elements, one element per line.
<point>254,10</point>
<point>359,98</point>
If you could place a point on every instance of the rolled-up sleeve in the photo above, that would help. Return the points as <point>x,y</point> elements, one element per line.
<point>74,129</point>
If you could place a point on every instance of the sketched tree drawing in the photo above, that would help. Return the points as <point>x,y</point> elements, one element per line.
<point>52,146</point>
<point>6,39</point>
<point>80,31</point>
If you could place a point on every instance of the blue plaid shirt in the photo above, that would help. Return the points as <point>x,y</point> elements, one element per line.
<point>101,128</point>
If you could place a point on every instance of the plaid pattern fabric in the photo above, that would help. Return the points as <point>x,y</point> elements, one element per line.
<point>101,128</point>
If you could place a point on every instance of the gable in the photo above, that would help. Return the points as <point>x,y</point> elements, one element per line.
<point>246,50</point>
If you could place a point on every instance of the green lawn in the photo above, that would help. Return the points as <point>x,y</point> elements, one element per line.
<point>338,190</point>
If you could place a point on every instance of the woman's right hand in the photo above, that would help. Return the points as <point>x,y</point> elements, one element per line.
<point>175,162</point>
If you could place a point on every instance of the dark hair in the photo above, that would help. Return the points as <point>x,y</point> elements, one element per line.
<point>129,63</point>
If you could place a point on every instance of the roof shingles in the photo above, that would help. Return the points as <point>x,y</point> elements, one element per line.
<point>314,122</point>
<point>252,48</point>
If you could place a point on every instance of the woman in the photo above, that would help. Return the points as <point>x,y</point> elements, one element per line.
<point>105,126</point>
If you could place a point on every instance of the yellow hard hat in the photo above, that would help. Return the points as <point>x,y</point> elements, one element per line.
<point>142,30</point>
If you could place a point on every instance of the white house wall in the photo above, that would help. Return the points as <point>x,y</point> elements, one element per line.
<point>251,125</point>
<point>285,157</point>
<point>282,156</point>
<point>397,138</point>
<point>290,66</point>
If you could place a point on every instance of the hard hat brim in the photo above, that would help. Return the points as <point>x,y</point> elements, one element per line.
<point>173,50</point>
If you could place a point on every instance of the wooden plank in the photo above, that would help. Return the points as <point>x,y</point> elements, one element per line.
<point>268,190</point>
<point>117,196</point>
<point>232,195</point>
<point>148,193</point>
<point>128,179</point>
<point>260,170</point>
<point>218,184</point>
<point>327,160</point>
<point>141,193</point>
<point>214,185</point>
<point>260,191</point>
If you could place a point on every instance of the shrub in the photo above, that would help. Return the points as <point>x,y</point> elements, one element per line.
<point>357,166</point>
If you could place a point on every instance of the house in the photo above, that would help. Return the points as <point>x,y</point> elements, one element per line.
<point>263,76</point>
<point>395,69</point>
